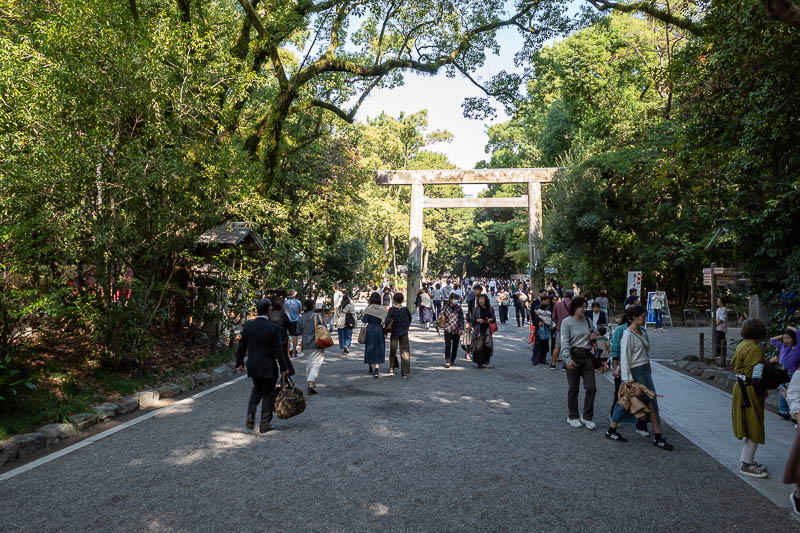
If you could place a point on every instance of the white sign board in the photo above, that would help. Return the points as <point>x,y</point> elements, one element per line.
<point>634,282</point>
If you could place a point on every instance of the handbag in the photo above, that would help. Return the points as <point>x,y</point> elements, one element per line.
<point>466,337</point>
<point>531,334</point>
<point>597,362</point>
<point>492,327</point>
<point>322,339</point>
<point>362,334</point>
<point>289,401</point>
<point>440,323</point>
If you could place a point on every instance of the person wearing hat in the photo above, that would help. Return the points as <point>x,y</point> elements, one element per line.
<point>261,342</point>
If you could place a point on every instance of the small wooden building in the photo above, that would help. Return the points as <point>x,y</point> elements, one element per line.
<point>229,235</point>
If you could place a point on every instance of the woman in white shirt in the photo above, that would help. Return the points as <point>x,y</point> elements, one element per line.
<point>635,366</point>
<point>791,473</point>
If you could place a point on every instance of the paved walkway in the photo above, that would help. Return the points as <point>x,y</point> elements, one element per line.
<point>455,449</point>
<point>702,413</point>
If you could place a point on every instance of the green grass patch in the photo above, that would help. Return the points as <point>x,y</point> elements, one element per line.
<point>210,361</point>
<point>62,392</point>
<point>124,384</point>
<point>40,407</point>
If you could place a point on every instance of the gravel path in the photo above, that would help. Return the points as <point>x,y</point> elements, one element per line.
<point>455,449</point>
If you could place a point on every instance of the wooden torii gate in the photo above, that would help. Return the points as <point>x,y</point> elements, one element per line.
<point>534,177</point>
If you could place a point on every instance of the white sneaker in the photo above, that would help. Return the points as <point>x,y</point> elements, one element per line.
<point>642,433</point>
<point>588,423</point>
<point>574,422</point>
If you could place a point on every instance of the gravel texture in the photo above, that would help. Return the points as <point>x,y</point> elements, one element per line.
<point>455,449</point>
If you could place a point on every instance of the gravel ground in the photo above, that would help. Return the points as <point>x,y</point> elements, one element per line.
<point>455,449</point>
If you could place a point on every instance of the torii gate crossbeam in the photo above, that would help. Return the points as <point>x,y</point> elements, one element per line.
<point>534,177</point>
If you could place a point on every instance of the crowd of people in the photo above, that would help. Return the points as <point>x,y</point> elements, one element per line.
<point>571,327</point>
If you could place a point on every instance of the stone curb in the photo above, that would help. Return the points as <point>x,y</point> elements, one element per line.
<point>28,444</point>
<point>719,377</point>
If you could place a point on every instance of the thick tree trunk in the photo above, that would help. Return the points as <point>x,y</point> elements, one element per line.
<point>785,11</point>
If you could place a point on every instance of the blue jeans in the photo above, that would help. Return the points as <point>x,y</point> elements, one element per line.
<point>659,317</point>
<point>345,337</point>
<point>783,405</point>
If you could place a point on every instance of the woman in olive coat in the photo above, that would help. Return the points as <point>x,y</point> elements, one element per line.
<point>747,410</point>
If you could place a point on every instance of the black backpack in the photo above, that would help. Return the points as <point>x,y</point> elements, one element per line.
<point>772,377</point>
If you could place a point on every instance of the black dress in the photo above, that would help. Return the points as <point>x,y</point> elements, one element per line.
<point>482,342</point>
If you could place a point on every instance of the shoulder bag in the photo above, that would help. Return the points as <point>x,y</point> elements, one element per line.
<point>322,339</point>
<point>597,361</point>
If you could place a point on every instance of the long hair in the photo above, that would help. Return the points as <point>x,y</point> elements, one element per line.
<point>375,299</point>
<point>345,302</point>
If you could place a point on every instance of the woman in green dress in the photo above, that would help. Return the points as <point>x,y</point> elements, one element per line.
<point>748,402</point>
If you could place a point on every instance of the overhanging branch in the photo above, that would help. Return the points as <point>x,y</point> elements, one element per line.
<point>647,8</point>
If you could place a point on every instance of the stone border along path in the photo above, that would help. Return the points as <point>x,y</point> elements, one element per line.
<point>95,438</point>
<point>27,445</point>
<point>531,475</point>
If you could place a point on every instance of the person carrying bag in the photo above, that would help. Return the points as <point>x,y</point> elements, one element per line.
<point>322,338</point>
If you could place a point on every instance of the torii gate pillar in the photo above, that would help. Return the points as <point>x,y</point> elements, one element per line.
<point>534,177</point>
<point>415,243</point>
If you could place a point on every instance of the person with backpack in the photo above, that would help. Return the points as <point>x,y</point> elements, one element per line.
<point>453,329</point>
<point>747,409</point>
<point>398,321</point>
<point>345,318</point>
<point>635,367</point>
<point>315,356</point>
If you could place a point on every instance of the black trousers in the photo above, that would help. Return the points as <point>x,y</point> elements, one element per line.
<point>263,393</point>
<point>451,346</point>
<point>503,314</point>
<point>520,311</point>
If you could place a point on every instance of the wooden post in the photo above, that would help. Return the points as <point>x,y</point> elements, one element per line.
<point>415,243</point>
<point>702,348</point>
<point>714,339</point>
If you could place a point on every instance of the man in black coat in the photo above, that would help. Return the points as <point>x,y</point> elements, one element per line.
<point>261,341</point>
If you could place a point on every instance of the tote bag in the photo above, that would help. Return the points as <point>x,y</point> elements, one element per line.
<point>321,336</point>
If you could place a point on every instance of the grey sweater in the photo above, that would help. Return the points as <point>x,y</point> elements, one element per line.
<point>574,334</point>
<point>306,329</point>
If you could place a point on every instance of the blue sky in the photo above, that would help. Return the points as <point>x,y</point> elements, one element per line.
<point>443,96</point>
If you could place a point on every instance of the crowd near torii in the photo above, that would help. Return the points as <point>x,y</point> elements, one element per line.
<point>570,330</point>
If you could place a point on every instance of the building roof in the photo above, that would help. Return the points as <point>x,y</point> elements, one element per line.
<point>232,234</point>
